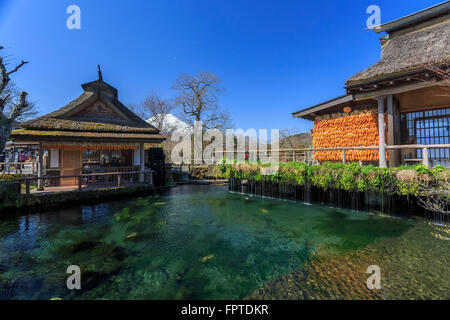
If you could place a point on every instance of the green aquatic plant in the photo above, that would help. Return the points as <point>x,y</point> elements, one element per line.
<point>404,180</point>
<point>124,215</point>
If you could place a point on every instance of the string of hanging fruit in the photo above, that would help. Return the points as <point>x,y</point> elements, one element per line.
<point>89,146</point>
<point>347,130</point>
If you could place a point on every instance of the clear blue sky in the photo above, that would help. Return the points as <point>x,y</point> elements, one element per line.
<point>274,57</point>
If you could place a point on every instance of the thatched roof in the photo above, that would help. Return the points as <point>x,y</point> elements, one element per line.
<point>70,117</point>
<point>97,114</point>
<point>408,53</point>
<point>58,135</point>
<point>412,20</point>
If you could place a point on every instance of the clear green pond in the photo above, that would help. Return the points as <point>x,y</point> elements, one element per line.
<point>199,242</point>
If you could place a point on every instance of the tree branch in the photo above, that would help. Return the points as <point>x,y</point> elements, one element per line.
<point>17,67</point>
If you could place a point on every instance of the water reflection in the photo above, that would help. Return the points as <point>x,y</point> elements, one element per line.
<point>194,242</point>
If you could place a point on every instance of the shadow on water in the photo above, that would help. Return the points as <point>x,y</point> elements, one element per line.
<point>355,234</point>
<point>192,242</point>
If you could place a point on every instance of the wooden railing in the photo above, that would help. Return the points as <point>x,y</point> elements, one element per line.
<point>145,177</point>
<point>17,167</point>
<point>306,154</point>
<point>126,174</point>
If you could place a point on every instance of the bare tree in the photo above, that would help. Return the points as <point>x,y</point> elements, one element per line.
<point>288,137</point>
<point>198,100</point>
<point>14,106</point>
<point>157,110</point>
<point>294,139</point>
<point>136,110</point>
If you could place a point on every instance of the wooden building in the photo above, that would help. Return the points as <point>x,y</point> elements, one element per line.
<point>404,99</point>
<point>93,133</point>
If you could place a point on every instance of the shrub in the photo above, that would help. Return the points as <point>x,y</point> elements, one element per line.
<point>350,177</point>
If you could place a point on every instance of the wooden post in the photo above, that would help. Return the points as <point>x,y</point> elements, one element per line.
<point>27,187</point>
<point>397,132</point>
<point>391,131</point>
<point>79,183</point>
<point>40,172</point>
<point>293,155</point>
<point>119,180</point>
<point>426,160</point>
<point>381,133</point>
<point>142,162</point>
<point>343,156</point>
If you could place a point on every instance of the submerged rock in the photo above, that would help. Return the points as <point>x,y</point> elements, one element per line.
<point>208,257</point>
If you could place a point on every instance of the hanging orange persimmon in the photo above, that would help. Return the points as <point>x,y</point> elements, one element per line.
<point>346,130</point>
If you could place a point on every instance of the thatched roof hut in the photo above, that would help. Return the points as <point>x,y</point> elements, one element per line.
<point>408,88</point>
<point>94,132</point>
<point>97,115</point>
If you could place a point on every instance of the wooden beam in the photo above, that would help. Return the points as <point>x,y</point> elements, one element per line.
<point>381,133</point>
<point>391,131</point>
<point>142,161</point>
<point>425,158</point>
<point>40,172</point>
<point>331,103</point>
<point>397,131</point>
<point>27,187</point>
<point>395,90</point>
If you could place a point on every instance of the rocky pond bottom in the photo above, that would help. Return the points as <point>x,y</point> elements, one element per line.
<point>202,242</point>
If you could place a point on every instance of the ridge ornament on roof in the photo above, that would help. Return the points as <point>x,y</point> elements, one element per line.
<point>100,76</point>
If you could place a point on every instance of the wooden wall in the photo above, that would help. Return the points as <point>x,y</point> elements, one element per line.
<point>71,164</point>
<point>98,110</point>
<point>423,99</point>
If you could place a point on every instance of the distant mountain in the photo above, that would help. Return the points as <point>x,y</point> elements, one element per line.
<point>171,123</point>
<point>296,141</point>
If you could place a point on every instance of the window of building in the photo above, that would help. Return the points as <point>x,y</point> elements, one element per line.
<point>108,158</point>
<point>428,127</point>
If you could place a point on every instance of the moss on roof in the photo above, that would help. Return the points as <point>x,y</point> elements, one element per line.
<point>409,52</point>
<point>54,134</point>
<point>62,119</point>
<point>83,125</point>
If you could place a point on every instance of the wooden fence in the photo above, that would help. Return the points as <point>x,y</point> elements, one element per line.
<point>306,154</point>
<point>18,167</point>
<point>145,177</point>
